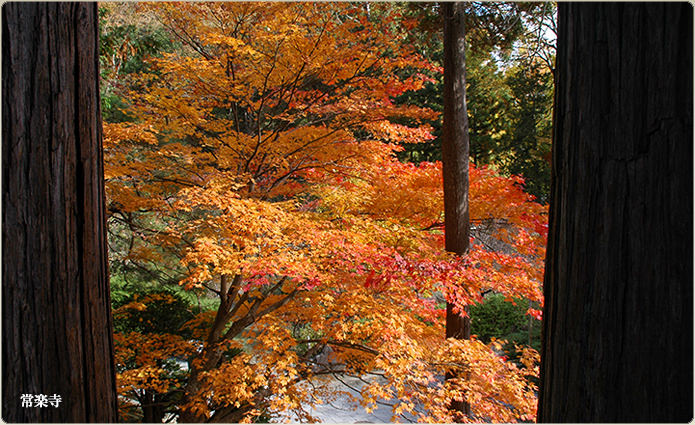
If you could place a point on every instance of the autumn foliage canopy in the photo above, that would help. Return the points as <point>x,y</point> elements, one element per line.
<point>258,168</point>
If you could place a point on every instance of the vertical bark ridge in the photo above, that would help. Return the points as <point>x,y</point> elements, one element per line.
<point>455,158</point>
<point>56,310</point>
<point>617,332</point>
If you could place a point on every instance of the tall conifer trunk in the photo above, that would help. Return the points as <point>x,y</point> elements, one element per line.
<point>455,153</point>
<point>618,319</point>
<point>56,315</point>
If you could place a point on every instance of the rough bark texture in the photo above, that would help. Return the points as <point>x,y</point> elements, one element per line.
<point>455,153</point>
<point>618,330</point>
<point>56,317</point>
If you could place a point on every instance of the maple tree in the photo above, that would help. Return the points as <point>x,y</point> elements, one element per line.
<point>259,167</point>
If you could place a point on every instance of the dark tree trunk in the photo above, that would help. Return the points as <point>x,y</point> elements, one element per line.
<point>455,153</point>
<point>153,408</point>
<point>618,330</point>
<point>56,319</point>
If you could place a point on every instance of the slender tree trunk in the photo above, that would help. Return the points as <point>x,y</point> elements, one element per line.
<point>618,319</point>
<point>153,408</point>
<point>455,153</point>
<point>56,315</point>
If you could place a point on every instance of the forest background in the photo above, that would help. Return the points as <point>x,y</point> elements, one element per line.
<point>275,208</point>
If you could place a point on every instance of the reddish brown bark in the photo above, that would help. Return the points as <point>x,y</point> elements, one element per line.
<point>56,316</point>
<point>455,153</point>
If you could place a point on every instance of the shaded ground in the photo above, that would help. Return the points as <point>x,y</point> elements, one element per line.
<point>343,409</point>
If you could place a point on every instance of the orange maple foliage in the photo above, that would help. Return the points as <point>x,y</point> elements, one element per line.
<point>260,165</point>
